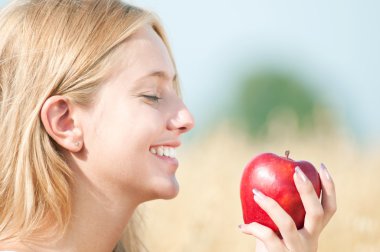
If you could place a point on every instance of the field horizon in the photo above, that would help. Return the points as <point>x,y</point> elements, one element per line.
<point>204,217</point>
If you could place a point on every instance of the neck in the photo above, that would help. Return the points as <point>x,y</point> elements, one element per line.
<point>97,224</point>
<point>100,214</point>
<point>98,219</point>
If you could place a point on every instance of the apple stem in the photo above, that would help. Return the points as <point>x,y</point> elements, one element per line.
<point>287,154</point>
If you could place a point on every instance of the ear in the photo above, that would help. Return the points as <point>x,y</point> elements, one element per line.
<point>58,117</point>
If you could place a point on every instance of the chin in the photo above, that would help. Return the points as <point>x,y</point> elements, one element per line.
<point>167,190</point>
<point>172,194</point>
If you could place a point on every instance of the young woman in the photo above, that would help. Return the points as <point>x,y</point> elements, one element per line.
<point>90,118</point>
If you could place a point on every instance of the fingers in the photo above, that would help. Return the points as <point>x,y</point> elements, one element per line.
<point>265,235</point>
<point>317,214</point>
<point>328,194</point>
<point>314,210</point>
<point>260,246</point>
<point>281,218</point>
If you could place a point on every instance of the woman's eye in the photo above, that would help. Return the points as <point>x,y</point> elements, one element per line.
<point>153,98</point>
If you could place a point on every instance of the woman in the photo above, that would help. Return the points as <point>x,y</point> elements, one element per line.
<point>90,117</point>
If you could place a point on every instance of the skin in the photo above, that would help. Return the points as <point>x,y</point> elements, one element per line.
<point>318,214</point>
<point>107,144</point>
<point>107,147</point>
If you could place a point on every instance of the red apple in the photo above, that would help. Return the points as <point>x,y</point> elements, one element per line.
<point>273,175</point>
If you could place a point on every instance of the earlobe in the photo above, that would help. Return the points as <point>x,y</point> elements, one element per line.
<point>57,116</point>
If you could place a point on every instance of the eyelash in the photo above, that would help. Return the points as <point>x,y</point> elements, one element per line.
<point>153,98</point>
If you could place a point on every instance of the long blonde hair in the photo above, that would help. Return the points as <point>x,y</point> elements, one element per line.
<point>50,47</point>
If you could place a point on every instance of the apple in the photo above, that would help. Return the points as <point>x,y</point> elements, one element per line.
<point>273,176</point>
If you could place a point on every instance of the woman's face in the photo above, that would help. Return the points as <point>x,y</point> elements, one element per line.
<point>131,132</point>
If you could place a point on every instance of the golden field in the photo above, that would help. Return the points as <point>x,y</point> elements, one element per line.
<point>205,215</point>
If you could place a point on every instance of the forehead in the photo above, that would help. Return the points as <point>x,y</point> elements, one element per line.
<point>143,53</point>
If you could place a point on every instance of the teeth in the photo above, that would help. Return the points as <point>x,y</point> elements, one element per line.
<point>172,152</point>
<point>160,151</point>
<point>163,151</point>
<point>166,151</point>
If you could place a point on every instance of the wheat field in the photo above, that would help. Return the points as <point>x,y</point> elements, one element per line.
<point>205,215</point>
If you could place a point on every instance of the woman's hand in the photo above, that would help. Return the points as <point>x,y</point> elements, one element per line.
<point>318,214</point>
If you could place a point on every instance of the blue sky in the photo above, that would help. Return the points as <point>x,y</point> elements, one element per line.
<point>336,44</point>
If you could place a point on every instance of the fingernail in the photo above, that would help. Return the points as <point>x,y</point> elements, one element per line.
<point>257,193</point>
<point>301,174</point>
<point>325,171</point>
<point>243,229</point>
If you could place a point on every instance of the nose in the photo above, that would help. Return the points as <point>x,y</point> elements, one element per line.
<point>182,121</point>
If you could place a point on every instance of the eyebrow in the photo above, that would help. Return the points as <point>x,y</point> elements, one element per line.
<point>160,74</point>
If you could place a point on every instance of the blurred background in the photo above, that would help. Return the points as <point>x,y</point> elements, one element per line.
<point>328,50</point>
<point>270,76</point>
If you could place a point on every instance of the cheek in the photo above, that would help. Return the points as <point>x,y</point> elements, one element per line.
<point>121,123</point>
<point>122,140</point>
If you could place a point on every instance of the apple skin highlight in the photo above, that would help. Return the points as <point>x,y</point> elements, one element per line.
<point>273,176</point>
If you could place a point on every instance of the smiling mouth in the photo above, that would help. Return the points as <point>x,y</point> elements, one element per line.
<point>163,151</point>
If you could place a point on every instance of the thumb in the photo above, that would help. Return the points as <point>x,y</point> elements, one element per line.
<point>266,239</point>
<point>260,246</point>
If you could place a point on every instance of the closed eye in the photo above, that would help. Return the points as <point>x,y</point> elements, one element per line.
<point>153,98</point>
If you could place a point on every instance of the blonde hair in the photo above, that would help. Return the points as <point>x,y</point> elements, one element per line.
<point>50,47</point>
